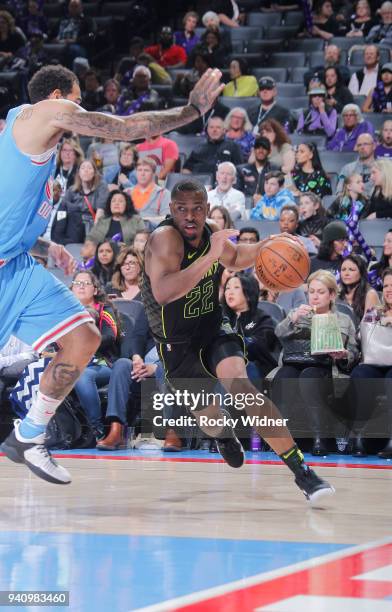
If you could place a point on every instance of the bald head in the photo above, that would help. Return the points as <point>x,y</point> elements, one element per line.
<point>365,147</point>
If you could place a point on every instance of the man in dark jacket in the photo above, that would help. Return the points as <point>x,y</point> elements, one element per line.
<point>206,157</point>
<point>250,177</point>
<point>268,109</point>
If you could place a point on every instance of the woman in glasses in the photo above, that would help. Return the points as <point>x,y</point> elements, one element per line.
<point>127,275</point>
<point>86,287</point>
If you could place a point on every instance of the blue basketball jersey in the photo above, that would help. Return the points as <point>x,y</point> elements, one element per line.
<point>25,193</point>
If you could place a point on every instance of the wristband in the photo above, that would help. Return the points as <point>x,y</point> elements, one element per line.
<point>196,108</point>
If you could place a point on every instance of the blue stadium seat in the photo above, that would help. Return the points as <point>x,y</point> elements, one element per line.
<point>264,20</point>
<point>287,60</point>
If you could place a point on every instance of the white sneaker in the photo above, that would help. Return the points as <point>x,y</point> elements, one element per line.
<point>33,453</point>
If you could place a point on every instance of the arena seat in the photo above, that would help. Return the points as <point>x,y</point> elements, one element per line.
<point>279,74</point>
<point>307,45</point>
<point>317,58</point>
<point>334,161</point>
<point>245,102</point>
<point>293,90</point>
<point>284,32</point>
<point>293,18</point>
<point>264,20</point>
<point>117,9</point>
<point>246,33</point>
<point>347,310</point>
<point>296,75</point>
<point>328,201</point>
<point>377,119</point>
<point>265,47</point>
<point>265,228</point>
<point>319,140</point>
<point>299,102</point>
<point>56,51</point>
<point>287,60</point>
<point>132,308</point>
<point>355,58</point>
<point>275,311</point>
<point>374,230</point>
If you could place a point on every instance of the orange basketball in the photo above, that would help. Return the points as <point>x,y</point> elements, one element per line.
<point>282,264</point>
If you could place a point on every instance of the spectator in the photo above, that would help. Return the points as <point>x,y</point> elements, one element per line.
<point>363,390</point>
<point>68,159</point>
<point>250,177</point>
<point>139,96</point>
<point>256,328</point>
<point>338,95</point>
<point>353,189</point>
<point>15,355</point>
<point>381,198</point>
<point>212,45</point>
<point>92,94</point>
<point>282,153</point>
<point>127,275</point>
<point>313,372</point>
<point>353,125</point>
<point>325,25</point>
<point>365,146</point>
<point>377,268</point>
<point>275,197</point>
<point>87,289</point>
<point>122,175</point>
<point>103,153</point>
<point>333,244</point>
<point>119,217</point>
<point>224,193</point>
<point>111,93</point>
<point>56,201</point>
<point>76,31</point>
<point>268,109</point>
<point>365,79</point>
<point>308,174</point>
<point>34,21</point>
<point>360,22</point>
<point>82,205</point>
<point>313,217</point>
<point>161,149</point>
<point>217,149</point>
<point>379,99</point>
<point>248,235</point>
<point>166,53</point>
<point>318,118</point>
<point>381,34</point>
<point>104,260</point>
<point>200,61</point>
<point>384,149</point>
<point>149,199</point>
<point>354,288</point>
<point>211,22</point>
<point>187,38</point>
<point>11,40</point>
<point>228,12</point>
<point>34,54</point>
<point>136,57</point>
<point>289,223</point>
<point>140,240</point>
<point>241,82</point>
<point>332,57</point>
<point>221,216</point>
<point>239,130</point>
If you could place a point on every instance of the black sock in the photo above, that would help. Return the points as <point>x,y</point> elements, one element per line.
<point>294,459</point>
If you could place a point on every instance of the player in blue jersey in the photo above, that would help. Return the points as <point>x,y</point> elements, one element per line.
<point>35,306</point>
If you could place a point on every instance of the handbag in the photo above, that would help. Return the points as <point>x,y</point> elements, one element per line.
<point>376,342</point>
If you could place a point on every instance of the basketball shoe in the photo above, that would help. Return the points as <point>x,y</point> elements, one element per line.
<point>230,447</point>
<point>311,485</point>
<point>33,453</point>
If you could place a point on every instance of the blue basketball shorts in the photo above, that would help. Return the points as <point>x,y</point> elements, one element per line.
<point>34,305</point>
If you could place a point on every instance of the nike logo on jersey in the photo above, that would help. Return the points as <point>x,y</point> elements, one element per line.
<point>191,255</point>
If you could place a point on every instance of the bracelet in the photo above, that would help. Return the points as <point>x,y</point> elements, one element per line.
<point>196,108</point>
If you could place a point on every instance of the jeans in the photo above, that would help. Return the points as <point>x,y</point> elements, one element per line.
<point>93,377</point>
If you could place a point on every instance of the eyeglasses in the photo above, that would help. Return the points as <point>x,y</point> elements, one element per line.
<point>129,264</point>
<point>349,114</point>
<point>82,284</point>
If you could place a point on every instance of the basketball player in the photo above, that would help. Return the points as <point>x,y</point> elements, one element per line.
<point>183,261</point>
<point>35,307</point>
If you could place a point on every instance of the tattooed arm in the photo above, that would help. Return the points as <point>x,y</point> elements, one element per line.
<point>68,116</point>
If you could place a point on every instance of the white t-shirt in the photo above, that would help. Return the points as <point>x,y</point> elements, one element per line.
<point>233,200</point>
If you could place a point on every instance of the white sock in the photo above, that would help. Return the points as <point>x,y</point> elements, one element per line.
<point>43,409</point>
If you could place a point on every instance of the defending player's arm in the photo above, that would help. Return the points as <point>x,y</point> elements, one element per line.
<point>168,281</point>
<point>68,116</point>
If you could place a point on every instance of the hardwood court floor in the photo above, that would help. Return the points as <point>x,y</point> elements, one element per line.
<point>123,514</point>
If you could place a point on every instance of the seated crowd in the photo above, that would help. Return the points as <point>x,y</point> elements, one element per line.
<point>307,151</point>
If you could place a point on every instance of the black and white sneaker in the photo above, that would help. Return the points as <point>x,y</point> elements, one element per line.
<point>33,453</point>
<point>230,447</point>
<point>313,487</point>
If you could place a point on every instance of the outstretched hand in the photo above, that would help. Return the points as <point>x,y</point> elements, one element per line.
<point>206,90</point>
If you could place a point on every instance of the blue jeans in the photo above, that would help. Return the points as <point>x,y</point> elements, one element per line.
<point>93,377</point>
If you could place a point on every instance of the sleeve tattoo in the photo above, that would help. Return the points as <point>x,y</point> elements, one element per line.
<point>140,125</point>
<point>40,248</point>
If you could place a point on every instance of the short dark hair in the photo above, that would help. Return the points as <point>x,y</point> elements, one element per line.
<point>129,206</point>
<point>249,230</point>
<point>275,174</point>
<point>262,143</point>
<point>250,288</point>
<point>49,78</point>
<point>290,208</point>
<point>188,185</point>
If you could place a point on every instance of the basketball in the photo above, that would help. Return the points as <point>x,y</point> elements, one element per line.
<point>282,264</point>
